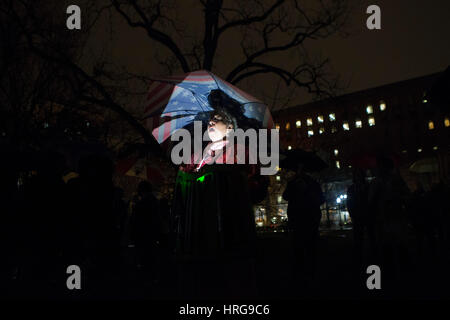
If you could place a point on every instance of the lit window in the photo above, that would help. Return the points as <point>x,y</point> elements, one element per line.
<point>332,117</point>
<point>277,126</point>
<point>298,124</point>
<point>435,148</point>
<point>280,199</point>
<point>338,164</point>
<point>321,130</point>
<point>289,148</point>
<point>278,178</point>
<point>425,101</point>
<point>447,122</point>
<point>382,105</point>
<point>430,125</point>
<point>371,121</point>
<point>310,133</point>
<point>288,126</point>
<point>346,126</point>
<point>309,122</point>
<point>358,123</point>
<point>419,150</point>
<point>320,119</point>
<point>333,129</point>
<point>336,152</point>
<point>369,109</point>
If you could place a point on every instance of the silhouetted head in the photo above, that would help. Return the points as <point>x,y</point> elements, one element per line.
<point>144,188</point>
<point>385,165</point>
<point>96,168</point>
<point>359,175</point>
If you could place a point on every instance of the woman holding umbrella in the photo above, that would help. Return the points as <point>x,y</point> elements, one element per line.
<point>213,204</point>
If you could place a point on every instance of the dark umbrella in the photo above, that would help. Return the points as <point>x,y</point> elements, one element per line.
<point>310,161</point>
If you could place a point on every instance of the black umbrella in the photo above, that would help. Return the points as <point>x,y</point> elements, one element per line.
<point>310,161</point>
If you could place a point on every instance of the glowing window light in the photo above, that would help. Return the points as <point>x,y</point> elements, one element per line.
<point>338,200</point>
<point>419,150</point>
<point>430,125</point>
<point>371,121</point>
<point>298,123</point>
<point>338,164</point>
<point>280,198</point>
<point>320,119</point>
<point>332,117</point>
<point>336,152</point>
<point>382,105</point>
<point>369,109</point>
<point>447,122</point>
<point>277,126</point>
<point>309,122</point>
<point>321,130</point>
<point>358,123</point>
<point>278,178</point>
<point>346,126</point>
<point>435,148</point>
<point>288,126</point>
<point>289,147</point>
<point>310,133</point>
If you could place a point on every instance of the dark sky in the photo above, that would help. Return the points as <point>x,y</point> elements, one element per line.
<point>414,41</point>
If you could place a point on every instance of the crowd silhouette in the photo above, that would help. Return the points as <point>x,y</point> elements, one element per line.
<point>49,224</point>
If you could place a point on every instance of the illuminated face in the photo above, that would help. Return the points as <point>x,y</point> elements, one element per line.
<point>217,129</point>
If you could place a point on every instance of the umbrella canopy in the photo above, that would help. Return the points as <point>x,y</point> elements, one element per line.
<point>311,162</point>
<point>428,165</point>
<point>141,168</point>
<point>175,102</point>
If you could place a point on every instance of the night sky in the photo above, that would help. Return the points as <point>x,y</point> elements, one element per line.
<point>413,41</point>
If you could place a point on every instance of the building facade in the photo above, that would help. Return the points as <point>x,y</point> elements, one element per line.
<point>396,120</point>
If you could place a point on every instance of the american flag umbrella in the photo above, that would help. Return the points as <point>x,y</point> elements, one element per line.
<point>175,102</point>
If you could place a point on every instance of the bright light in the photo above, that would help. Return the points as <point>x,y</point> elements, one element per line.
<point>332,117</point>
<point>310,133</point>
<point>321,130</point>
<point>320,119</point>
<point>369,109</point>
<point>288,126</point>
<point>430,125</point>
<point>338,164</point>
<point>447,122</point>
<point>419,150</point>
<point>338,200</point>
<point>345,196</point>
<point>278,178</point>
<point>435,148</point>
<point>371,121</point>
<point>341,196</point>
<point>277,126</point>
<point>346,126</point>
<point>358,124</point>
<point>298,123</point>
<point>280,198</point>
<point>382,106</point>
<point>425,101</point>
<point>336,152</point>
<point>309,122</point>
<point>289,148</point>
